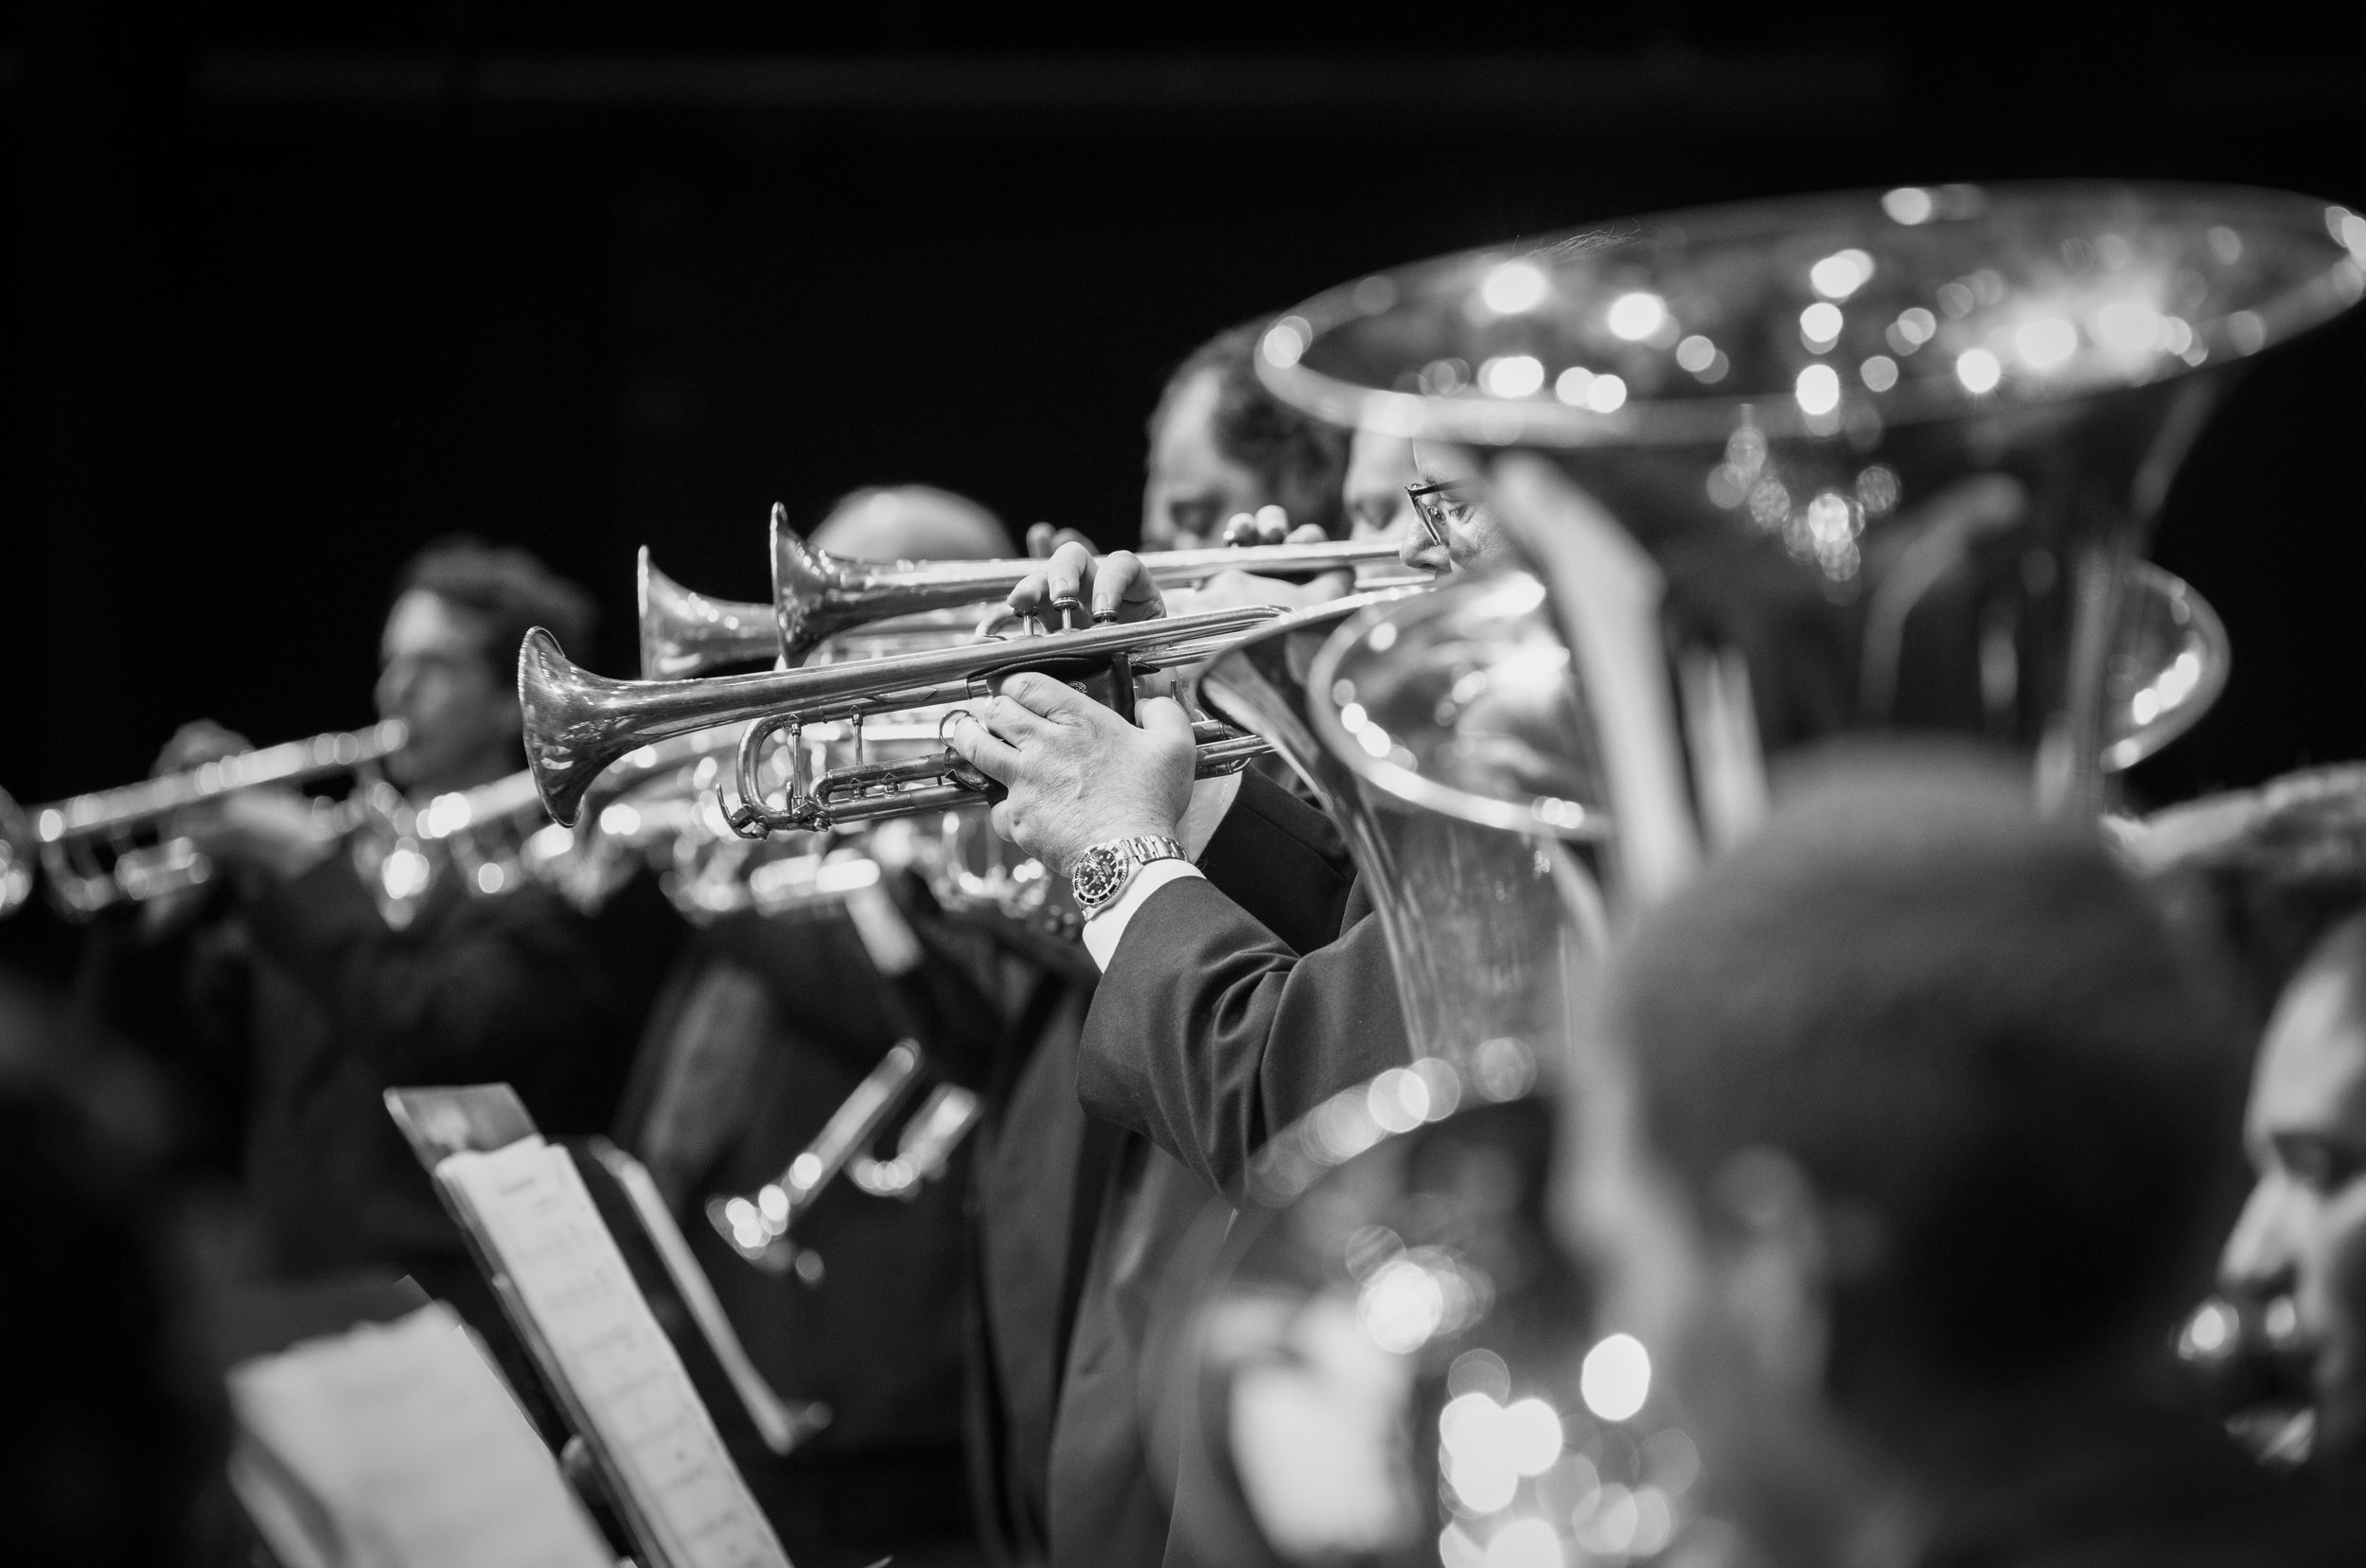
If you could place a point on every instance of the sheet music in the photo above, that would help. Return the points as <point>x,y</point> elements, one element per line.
<point>530,1202</point>
<point>397,1445</point>
<point>776,1423</point>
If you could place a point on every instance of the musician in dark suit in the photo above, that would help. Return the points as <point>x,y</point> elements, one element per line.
<point>1242,981</point>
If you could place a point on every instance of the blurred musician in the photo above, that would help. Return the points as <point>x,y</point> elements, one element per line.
<point>2281,874</point>
<point>919,1335</point>
<point>335,1004</point>
<point>1222,446</point>
<point>1895,1170</point>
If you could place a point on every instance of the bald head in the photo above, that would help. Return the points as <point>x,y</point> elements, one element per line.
<point>911,522</point>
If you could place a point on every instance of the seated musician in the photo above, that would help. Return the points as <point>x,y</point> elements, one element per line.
<point>1895,1171</point>
<point>340,1004</point>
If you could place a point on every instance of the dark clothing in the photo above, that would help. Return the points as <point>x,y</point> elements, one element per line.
<point>474,990</point>
<point>773,1022</point>
<point>1238,1003</point>
<point>1208,1033</point>
<point>2129,1489</point>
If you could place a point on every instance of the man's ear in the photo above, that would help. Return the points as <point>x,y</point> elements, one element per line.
<point>1772,1264</point>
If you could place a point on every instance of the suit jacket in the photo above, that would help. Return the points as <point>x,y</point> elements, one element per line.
<point>1236,1003</point>
<point>1233,1006</point>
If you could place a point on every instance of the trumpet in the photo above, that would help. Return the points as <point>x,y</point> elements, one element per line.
<point>578,723</point>
<point>817,596</point>
<point>65,837</point>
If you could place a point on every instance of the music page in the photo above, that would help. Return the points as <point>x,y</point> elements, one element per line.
<point>395,1446</point>
<point>530,1204</point>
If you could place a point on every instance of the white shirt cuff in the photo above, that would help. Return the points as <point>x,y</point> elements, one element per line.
<point>1210,799</point>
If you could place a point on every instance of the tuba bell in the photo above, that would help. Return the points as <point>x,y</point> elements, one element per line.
<point>1779,472</point>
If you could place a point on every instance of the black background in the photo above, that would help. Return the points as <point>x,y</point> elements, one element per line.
<point>294,289</point>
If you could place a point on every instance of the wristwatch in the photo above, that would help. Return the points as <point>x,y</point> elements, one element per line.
<point>1101,872</point>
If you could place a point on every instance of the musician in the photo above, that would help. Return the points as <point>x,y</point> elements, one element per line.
<point>1221,447</point>
<point>340,1004</point>
<point>2279,874</point>
<point>1896,1173</point>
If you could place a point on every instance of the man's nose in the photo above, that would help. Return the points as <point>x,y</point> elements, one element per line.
<point>1419,551</point>
<point>2258,1258</point>
<point>393,685</point>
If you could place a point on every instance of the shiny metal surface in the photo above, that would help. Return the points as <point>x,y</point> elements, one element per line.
<point>1893,453</point>
<point>577,724</point>
<point>2168,665</point>
<point>757,1225</point>
<point>86,843</point>
<point>819,597</point>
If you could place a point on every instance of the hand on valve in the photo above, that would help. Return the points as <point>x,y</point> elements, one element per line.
<point>1117,587</point>
<point>1078,774</point>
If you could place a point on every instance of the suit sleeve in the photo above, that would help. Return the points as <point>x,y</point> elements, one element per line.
<point>1282,862</point>
<point>515,982</point>
<point>1209,1033</point>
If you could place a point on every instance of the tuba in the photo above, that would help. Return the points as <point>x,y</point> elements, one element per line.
<point>1778,471</point>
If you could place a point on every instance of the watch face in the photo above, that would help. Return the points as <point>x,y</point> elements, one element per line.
<point>1095,877</point>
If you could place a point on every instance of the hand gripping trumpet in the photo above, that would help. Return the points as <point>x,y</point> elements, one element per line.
<point>816,595</point>
<point>577,724</point>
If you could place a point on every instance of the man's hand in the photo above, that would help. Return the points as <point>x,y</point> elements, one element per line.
<point>1078,774</point>
<point>1111,588</point>
<point>195,744</point>
<point>270,831</point>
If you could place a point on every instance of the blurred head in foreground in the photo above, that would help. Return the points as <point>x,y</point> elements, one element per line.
<point>1897,1150</point>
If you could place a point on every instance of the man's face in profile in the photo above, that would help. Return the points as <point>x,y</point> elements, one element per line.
<point>1193,485</point>
<point>2299,1251</point>
<point>434,676</point>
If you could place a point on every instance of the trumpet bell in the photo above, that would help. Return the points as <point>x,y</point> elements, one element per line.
<point>686,633</point>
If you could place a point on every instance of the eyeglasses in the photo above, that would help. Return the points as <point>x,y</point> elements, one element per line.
<point>1449,501</point>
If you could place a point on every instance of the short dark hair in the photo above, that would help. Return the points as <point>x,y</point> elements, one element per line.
<point>2266,872</point>
<point>510,588</point>
<point>1302,459</point>
<point>1971,1024</point>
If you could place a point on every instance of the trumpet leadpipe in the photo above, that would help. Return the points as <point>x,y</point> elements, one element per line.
<point>817,596</point>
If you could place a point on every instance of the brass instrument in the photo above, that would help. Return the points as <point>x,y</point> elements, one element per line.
<point>1782,470</point>
<point>578,723</point>
<point>495,838</point>
<point>817,596</point>
<point>758,1227</point>
<point>67,837</point>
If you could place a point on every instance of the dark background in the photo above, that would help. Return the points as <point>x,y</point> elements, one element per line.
<point>294,289</point>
